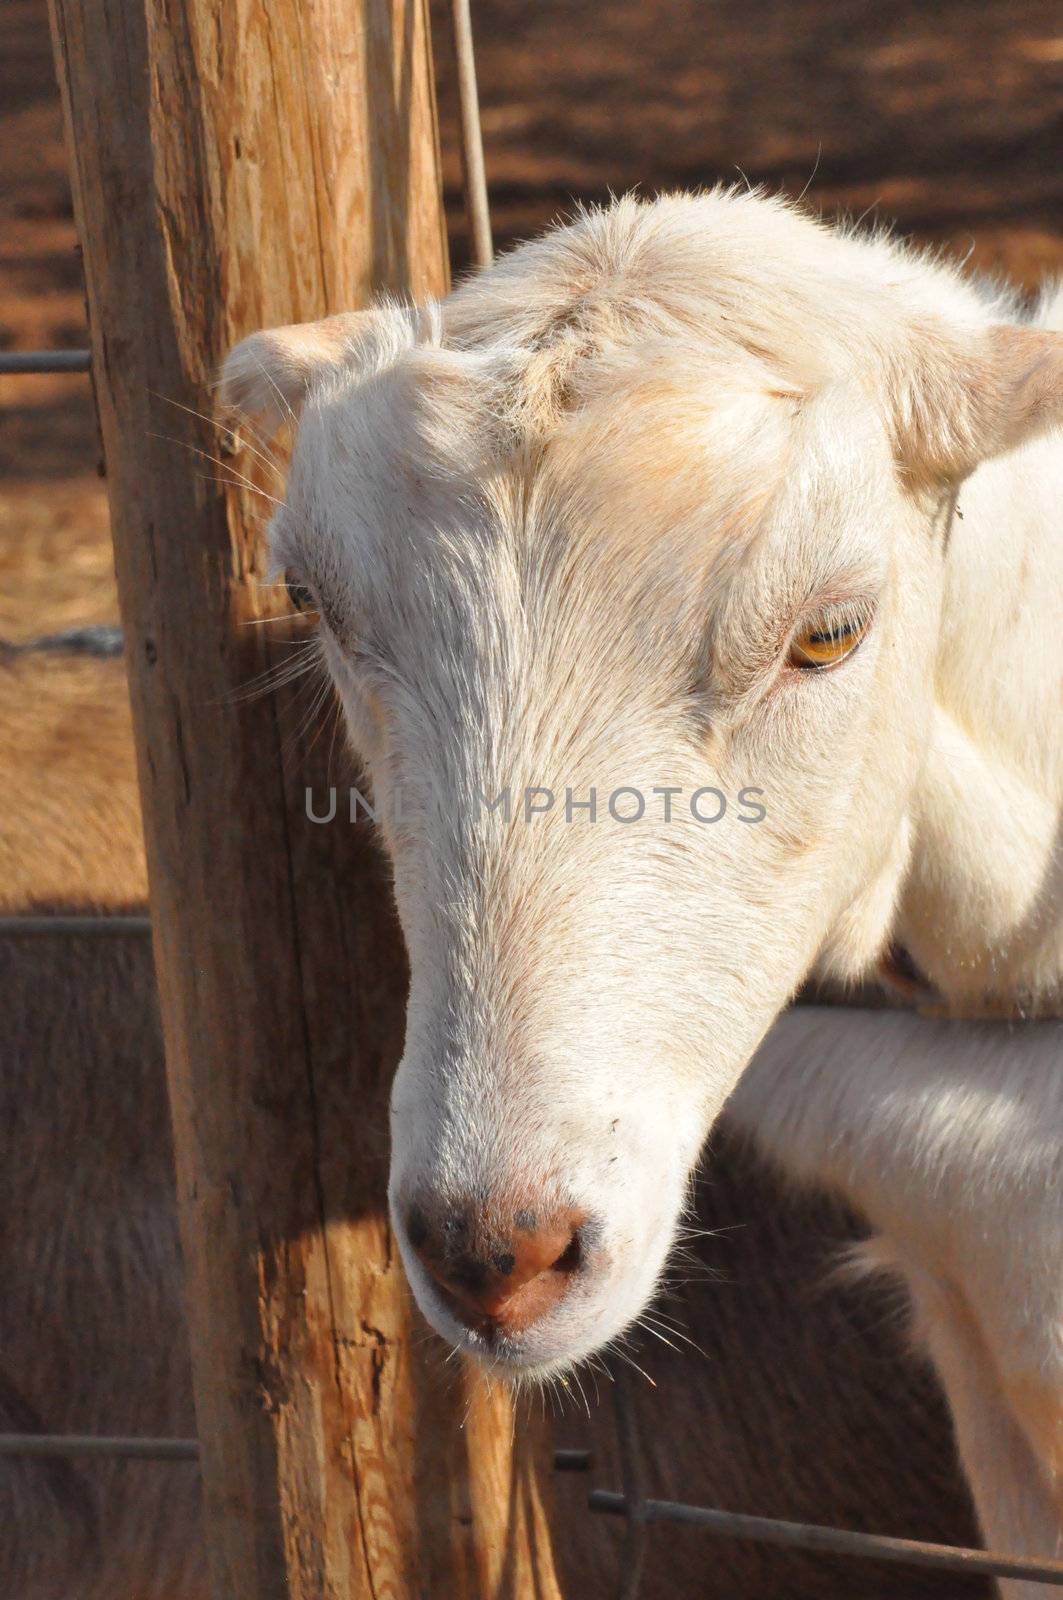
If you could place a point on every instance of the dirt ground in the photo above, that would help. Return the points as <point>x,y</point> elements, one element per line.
<point>945,117</point>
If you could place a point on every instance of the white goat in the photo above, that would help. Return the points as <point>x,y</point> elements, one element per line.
<point>695,496</point>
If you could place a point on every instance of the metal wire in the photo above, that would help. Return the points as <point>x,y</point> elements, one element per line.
<point>634,1479</point>
<point>92,1444</point>
<point>100,639</point>
<point>836,1541</point>
<point>640,1511</point>
<point>24,361</point>
<point>477,207</point>
<point>61,926</point>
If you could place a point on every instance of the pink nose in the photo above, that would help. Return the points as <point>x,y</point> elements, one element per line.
<point>499,1269</point>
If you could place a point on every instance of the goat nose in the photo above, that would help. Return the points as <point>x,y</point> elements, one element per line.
<point>500,1270</point>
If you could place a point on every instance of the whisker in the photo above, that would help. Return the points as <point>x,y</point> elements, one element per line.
<point>337,724</point>
<point>281,396</point>
<point>265,456</point>
<point>231,483</point>
<point>597,1364</point>
<point>247,423</point>
<point>274,677</point>
<point>320,695</point>
<point>669,1323</point>
<point>812,174</point>
<point>326,694</point>
<point>583,1397</point>
<point>649,1328</point>
<point>683,1232</point>
<point>623,1355</point>
<point>239,481</point>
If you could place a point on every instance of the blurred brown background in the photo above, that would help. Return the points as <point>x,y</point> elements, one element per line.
<point>944,117</point>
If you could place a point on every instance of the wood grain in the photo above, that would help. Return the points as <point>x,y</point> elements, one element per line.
<point>238,163</point>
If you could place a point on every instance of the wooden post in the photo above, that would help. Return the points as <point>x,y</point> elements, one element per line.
<point>237,165</point>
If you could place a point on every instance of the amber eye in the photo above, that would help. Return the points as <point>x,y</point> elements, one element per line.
<point>825,640</point>
<point>300,595</point>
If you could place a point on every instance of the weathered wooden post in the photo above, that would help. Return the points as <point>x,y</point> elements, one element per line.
<point>237,165</point>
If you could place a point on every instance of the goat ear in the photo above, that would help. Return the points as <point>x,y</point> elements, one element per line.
<point>267,376</point>
<point>958,401</point>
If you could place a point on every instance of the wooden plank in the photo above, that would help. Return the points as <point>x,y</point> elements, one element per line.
<point>238,165</point>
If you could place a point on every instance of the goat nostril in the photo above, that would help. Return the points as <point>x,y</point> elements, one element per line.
<point>416,1227</point>
<point>571,1258</point>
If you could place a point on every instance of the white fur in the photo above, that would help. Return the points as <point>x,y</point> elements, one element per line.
<point>561,531</point>
<point>947,1136</point>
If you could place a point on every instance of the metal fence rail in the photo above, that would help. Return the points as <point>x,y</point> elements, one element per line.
<point>62,926</point>
<point>640,1511</point>
<point>834,1541</point>
<point>22,361</point>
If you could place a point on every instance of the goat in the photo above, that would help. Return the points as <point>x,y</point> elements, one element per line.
<point>685,502</point>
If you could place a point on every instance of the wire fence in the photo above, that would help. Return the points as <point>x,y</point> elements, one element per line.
<point>19,363</point>
<point>639,1509</point>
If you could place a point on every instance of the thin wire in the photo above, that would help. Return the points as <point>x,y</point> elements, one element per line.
<point>633,1477</point>
<point>60,926</point>
<point>14,362</point>
<point>477,207</point>
<point>838,1541</point>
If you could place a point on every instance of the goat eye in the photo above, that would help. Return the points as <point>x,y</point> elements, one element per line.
<point>300,595</point>
<point>825,640</point>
